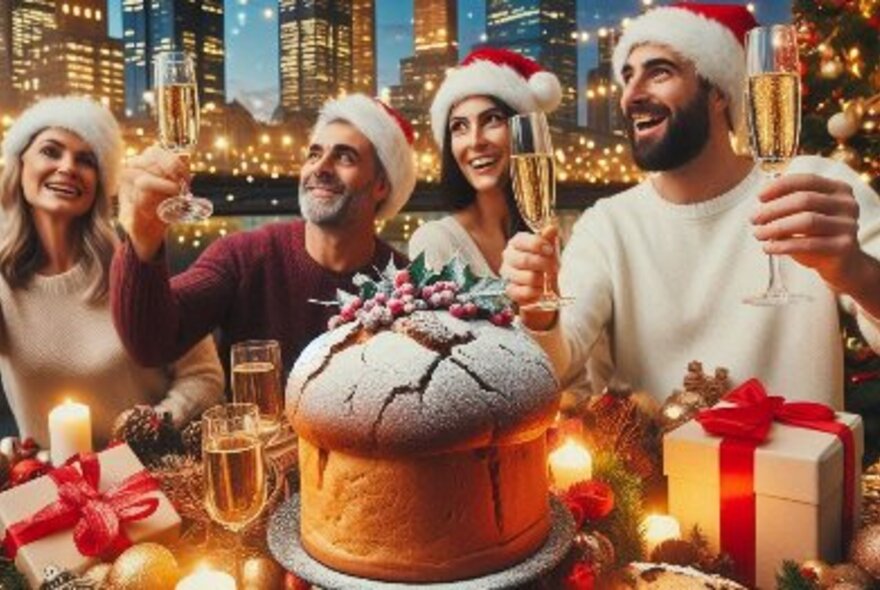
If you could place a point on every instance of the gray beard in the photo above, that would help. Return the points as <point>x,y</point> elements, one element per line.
<point>322,212</point>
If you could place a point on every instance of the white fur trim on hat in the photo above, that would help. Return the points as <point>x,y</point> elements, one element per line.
<point>90,120</point>
<point>541,91</point>
<point>388,139</point>
<point>714,50</point>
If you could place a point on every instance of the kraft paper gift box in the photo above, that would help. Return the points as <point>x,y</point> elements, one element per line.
<point>798,484</point>
<point>58,548</point>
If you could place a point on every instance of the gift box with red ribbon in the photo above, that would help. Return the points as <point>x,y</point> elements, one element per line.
<point>87,511</point>
<point>767,480</point>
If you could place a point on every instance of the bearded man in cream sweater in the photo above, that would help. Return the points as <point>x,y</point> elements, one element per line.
<point>665,266</point>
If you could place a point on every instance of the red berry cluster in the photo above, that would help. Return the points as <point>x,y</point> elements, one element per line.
<point>383,308</point>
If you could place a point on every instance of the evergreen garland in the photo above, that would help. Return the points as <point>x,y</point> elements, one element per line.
<point>623,525</point>
<point>791,578</point>
<point>10,577</point>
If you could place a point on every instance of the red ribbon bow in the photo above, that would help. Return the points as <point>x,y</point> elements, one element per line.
<point>744,427</point>
<point>96,517</point>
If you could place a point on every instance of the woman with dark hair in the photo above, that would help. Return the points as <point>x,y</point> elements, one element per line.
<point>63,158</point>
<point>469,121</point>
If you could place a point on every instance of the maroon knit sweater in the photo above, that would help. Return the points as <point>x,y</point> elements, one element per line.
<point>254,284</point>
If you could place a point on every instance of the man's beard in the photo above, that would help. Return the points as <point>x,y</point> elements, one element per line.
<point>322,211</point>
<point>687,132</point>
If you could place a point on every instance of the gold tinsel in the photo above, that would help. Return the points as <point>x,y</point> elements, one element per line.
<point>866,550</point>
<point>146,566</point>
<point>871,495</point>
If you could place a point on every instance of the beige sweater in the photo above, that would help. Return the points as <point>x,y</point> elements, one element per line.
<point>53,345</point>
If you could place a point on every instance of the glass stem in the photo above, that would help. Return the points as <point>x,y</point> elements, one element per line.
<point>775,283</point>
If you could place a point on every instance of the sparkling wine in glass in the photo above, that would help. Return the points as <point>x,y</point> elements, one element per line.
<point>256,379</point>
<point>177,109</point>
<point>773,103</point>
<point>533,172</point>
<point>234,465</point>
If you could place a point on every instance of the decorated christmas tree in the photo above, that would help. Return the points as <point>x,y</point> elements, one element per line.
<point>840,54</point>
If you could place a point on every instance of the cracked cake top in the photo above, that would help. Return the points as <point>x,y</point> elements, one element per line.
<point>430,383</point>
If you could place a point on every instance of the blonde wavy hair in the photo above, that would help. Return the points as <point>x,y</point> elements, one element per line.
<point>21,252</point>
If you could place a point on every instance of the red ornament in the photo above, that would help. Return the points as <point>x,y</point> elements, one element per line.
<point>874,22</point>
<point>589,500</point>
<point>292,582</point>
<point>581,577</point>
<point>26,470</point>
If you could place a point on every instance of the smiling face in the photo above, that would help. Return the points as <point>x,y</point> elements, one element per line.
<point>341,178</point>
<point>480,142</point>
<point>59,174</point>
<point>666,106</point>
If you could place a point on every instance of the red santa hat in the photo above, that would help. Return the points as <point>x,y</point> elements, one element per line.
<point>711,36</point>
<point>391,136</point>
<point>90,120</point>
<point>508,76</point>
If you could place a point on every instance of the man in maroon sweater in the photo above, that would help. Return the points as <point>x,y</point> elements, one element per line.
<point>259,284</point>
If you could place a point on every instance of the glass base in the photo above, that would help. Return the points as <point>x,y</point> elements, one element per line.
<point>551,303</point>
<point>184,209</point>
<point>776,298</point>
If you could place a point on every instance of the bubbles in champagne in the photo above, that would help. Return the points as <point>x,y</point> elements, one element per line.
<point>774,117</point>
<point>259,382</point>
<point>178,110</point>
<point>235,478</point>
<point>534,186</point>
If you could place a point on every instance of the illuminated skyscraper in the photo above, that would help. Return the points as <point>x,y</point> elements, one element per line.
<point>363,25</point>
<point>32,20</point>
<point>7,91</point>
<point>435,33</point>
<point>315,48</point>
<point>194,26</point>
<point>543,30</point>
<point>65,50</point>
<point>603,94</point>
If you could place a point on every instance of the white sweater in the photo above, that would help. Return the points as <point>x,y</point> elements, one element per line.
<point>668,281</point>
<point>442,240</point>
<point>53,345</point>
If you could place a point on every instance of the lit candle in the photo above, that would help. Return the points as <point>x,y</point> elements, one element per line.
<point>570,463</point>
<point>207,579</point>
<point>70,431</point>
<point>659,528</point>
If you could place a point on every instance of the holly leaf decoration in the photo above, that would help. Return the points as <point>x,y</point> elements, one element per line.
<point>458,272</point>
<point>487,294</point>
<point>367,286</point>
<point>419,271</point>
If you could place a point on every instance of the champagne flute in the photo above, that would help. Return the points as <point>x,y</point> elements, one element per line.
<point>533,172</point>
<point>177,110</point>
<point>773,99</point>
<point>234,465</point>
<point>256,378</point>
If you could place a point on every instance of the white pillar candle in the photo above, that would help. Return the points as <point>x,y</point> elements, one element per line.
<point>205,579</point>
<point>70,431</point>
<point>659,528</point>
<point>571,463</point>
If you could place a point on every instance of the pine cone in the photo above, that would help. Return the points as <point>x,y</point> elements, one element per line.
<point>192,439</point>
<point>676,552</point>
<point>169,439</point>
<point>139,427</point>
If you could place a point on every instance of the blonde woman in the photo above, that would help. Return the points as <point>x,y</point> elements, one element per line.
<point>62,160</point>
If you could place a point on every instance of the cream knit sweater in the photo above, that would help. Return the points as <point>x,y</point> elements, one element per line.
<point>667,281</point>
<point>53,345</point>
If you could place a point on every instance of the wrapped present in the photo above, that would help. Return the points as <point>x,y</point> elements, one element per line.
<point>767,480</point>
<point>84,512</point>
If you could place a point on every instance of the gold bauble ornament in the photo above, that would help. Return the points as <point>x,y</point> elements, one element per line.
<point>831,69</point>
<point>843,125</point>
<point>850,573</point>
<point>865,551</point>
<point>846,155</point>
<point>98,573</point>
<point>261,573</point>
<point>146,566</point>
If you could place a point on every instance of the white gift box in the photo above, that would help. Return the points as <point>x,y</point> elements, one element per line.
<point>798,483</point>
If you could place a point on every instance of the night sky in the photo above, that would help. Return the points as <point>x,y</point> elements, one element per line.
<point>252,39</point>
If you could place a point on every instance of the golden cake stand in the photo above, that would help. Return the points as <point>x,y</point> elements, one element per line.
<point>284,543</point>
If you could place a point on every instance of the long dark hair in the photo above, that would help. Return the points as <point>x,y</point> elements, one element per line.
<point>458,193</point>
